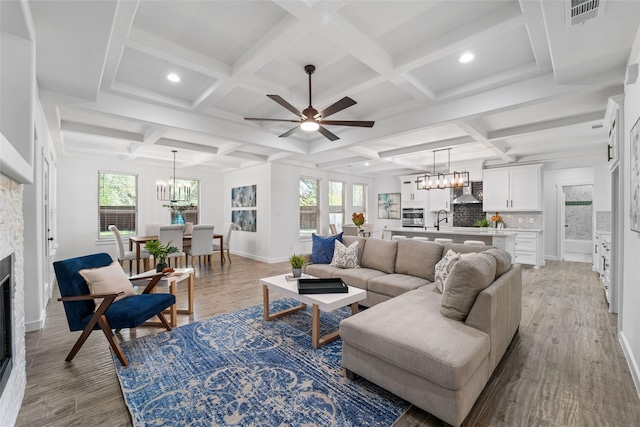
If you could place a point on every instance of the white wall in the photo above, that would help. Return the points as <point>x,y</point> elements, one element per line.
<point>38,286</point>
<point>77,184</point>
<point>551,180</point>
<point>389,184</point>
<point>630,323</point>
<point>278,212</point>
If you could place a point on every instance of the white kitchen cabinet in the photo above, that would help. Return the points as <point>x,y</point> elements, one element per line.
<point>411,196</point>
<point>512,189</point>
<point>613,121</point>
<point>527,248</point>
<point>440,200</point>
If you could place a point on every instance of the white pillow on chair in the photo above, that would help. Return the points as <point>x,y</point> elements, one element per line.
<point>111,278</point>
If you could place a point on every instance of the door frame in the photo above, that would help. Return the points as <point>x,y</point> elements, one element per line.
<point>560,211</point>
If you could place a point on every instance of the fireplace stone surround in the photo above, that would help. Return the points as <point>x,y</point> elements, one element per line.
<point>12,242</point>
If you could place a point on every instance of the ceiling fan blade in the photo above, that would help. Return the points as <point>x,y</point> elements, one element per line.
<point>358,123</point>
<point>330,135</point>
<point>338,106</point>
<point>285,104</point>
<point>289,132</point>
<point>272,120</point>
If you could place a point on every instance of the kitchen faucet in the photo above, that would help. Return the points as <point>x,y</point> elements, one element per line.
<point>438,220</point>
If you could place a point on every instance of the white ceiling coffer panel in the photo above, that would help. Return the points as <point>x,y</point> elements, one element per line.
<point>533,91</point>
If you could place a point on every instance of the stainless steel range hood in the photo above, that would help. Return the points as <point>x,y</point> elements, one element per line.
<point>466,197</point>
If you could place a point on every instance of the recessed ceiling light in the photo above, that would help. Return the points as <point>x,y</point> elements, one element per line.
<point>173,77</point>
<point>366,164</point>
<point>466,57</point>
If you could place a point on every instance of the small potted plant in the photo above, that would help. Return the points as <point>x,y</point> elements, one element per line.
<point>297,262</point>
<point>482,222</point>
<point>160,252</point>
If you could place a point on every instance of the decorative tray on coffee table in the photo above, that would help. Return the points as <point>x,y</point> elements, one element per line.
<point>322,286</point>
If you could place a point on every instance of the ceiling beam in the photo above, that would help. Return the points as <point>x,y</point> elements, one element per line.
<point>479,133</point>
<point>546,125</point>
<point>427,146</point>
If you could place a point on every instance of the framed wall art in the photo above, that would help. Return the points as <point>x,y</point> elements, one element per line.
<point>389,206</point>
<point>245,219</point>
<point>635,176</point>
<point>244,197</point>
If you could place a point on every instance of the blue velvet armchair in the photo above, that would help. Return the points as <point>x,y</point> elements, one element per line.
<point>84,314</point>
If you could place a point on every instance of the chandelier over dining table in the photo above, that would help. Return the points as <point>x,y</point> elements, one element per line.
<point>441,180</point>
<point>170,191</point>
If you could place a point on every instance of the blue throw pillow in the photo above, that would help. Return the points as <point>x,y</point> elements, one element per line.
<point>322,248</point>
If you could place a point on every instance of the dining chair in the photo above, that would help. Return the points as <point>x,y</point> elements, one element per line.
<point>151,229</point>
<point>188,228</point>
<point>226,239</point>
<point>332,228</point>
<point>84,312</point>
<point>174,234</point>
<point>201,238</point>
<point>349,230</point>
<point>125,255</point>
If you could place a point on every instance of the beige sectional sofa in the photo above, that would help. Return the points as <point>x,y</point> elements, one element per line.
<point>405,343</point>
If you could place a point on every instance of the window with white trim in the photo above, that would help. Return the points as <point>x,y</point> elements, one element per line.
<point>309,206</point>
<point>118,203</point>
<point>336,204</point>
<point>360,199</point>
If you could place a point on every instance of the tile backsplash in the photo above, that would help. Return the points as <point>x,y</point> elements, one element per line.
<point>603,220</point>
<point>466,215</point>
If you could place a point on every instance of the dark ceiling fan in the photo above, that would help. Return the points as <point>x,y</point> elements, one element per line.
<point>310,119</point>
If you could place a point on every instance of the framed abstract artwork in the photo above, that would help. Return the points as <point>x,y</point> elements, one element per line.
<point>245,219</point>
<point>635,176</point>
<point>389,206</point>
<point>244,197</point>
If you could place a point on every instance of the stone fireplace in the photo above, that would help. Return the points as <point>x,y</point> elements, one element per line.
<point>12,256</point>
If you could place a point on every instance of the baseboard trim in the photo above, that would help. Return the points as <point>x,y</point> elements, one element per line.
<point>36,325</point>
<point>631,361</point>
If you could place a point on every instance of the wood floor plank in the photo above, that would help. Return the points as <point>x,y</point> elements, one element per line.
<point>565,366</point>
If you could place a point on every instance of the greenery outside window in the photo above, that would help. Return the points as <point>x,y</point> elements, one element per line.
<point>189,209</point>
<point>360,198</point>
<point>118,203</point>
<point>336,204</point>
<point>309,207</point>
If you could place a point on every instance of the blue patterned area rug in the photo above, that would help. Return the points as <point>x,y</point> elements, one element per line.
<point>238,370</point>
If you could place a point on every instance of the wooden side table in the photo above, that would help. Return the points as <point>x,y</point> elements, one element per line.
<point>171,280</point>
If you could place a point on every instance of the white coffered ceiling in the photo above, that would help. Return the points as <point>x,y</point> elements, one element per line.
<point>534,91</point>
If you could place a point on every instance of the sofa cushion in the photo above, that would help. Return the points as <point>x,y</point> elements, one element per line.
<point>503,260</point>
<point>345,257</point>
<point>408,331</point>
<point>468,277</point>
<point>358,277</point>
<point>380,254</point>
<point>323,271</point>
<point>443,268</point>
<point>395,284</point>
<point>322,248</point>
<point>463,249</point>
<point>417,258</point>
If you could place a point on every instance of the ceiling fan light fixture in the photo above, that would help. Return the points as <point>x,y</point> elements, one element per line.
<point>309,125</point>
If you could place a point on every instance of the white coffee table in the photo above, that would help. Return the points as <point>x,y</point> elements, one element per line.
<point>324,302</point>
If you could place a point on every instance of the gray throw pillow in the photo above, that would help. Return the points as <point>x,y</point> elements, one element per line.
<point>468,277</point>
<point>503,260</point>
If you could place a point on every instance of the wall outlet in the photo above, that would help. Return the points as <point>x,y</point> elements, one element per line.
<point>520,220</point>
<point>530,220</point>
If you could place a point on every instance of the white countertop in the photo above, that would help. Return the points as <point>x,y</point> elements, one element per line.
<point>467,231</point>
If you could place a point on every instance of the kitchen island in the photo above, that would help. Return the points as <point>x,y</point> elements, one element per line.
<point>501,239</point>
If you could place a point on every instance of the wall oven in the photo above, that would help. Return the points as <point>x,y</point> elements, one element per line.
<point>413,217</point>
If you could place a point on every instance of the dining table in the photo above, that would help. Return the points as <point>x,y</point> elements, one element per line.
<point>186,240</point>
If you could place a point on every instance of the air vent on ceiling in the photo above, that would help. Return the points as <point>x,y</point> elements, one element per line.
<point>581,10</point>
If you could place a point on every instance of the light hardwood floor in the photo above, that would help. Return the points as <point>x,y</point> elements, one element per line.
<point>564,367</point>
